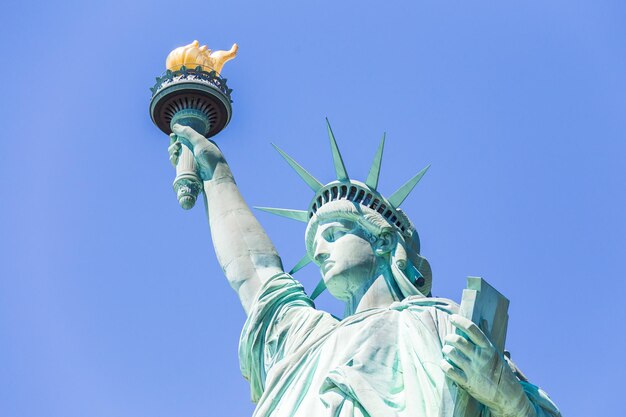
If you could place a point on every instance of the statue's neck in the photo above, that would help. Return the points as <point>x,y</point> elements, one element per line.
<point>379,292</point>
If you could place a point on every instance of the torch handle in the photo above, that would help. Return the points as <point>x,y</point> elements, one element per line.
<point>187,184</point>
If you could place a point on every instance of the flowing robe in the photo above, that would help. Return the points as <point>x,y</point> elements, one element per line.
<point>382,362</point>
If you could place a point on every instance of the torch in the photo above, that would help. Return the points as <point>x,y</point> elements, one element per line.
<point>192,93</point>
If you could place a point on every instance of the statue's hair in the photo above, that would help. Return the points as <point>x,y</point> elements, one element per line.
<point>410,270</point>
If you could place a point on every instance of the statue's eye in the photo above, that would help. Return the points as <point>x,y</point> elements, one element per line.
<point>332,234</point>
<point>328,235</point>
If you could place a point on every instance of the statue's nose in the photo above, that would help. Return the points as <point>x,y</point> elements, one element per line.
<point>321,252</point>
<point>321,257</point>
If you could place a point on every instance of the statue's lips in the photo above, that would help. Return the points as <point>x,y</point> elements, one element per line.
<point>326,266</point>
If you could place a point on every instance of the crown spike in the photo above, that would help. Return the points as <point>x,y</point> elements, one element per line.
<point>299,215</point>
<point>308,178</point>
<point>301,264</point>
<point>372,177</point>
<point>319,288</point>
<point>340,168</point>
<point>398,197</point>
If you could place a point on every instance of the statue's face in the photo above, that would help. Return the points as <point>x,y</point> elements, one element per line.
<point>346,257</point>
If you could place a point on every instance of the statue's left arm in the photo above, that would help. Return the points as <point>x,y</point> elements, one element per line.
<point>476,366</point>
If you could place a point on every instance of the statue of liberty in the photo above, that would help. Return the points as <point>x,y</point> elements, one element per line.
<point>397,352</point>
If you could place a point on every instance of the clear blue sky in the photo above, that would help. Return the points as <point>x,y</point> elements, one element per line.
<point>111,300</point>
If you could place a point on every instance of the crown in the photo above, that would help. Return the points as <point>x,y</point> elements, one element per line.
<point>357,192</point>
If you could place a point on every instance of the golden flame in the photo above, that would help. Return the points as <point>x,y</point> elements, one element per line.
<point>193,55</point>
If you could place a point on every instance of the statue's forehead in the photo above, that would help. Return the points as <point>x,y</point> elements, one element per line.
<point>334,222</point>
<point>346,225</point>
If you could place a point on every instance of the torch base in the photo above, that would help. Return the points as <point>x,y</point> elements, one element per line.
<point>193,98</point>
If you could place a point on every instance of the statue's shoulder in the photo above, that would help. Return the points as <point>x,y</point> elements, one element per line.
<point>417,302</point>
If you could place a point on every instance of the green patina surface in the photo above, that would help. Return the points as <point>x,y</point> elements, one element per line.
<point>398,351</point>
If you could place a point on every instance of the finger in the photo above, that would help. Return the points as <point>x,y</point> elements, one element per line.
<point>193,138</point>
<point>460,343</point>
<point>456,357</point>
<point>174,152</point>
<point>470,329</point>
<point>174,148</point>
<point>453,372</point>
<point>173,138</point>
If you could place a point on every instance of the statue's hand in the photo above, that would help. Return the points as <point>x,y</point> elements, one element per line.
<point>174,149</point>
<point>206,153</point>
<point>473,363</point>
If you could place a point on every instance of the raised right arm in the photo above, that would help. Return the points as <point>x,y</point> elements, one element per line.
<point>244,251</point>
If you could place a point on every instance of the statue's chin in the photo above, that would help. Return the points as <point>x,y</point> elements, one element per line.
<point>338,286</point>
